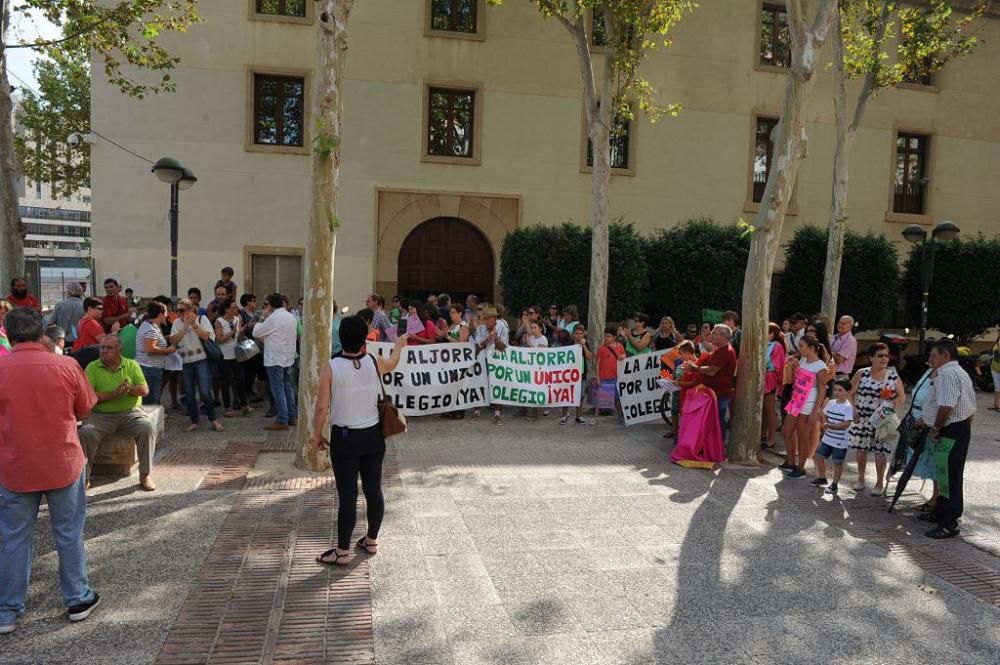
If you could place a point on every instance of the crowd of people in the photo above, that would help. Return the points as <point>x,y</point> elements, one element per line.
<point>230,354</point>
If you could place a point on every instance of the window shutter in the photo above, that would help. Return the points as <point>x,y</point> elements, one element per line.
<point>290,277</point>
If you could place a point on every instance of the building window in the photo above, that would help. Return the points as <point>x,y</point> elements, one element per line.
<point>454,15</point>
<point>282,7</point>
<point>451,116</point>
<point>278,107</point>
<point>775,39</point>
<point>911,174</point>
<point>922,74</point>
<point>621,135</point>
<point>598,32</point>
<point>762,154</point>
<point>276,273</point>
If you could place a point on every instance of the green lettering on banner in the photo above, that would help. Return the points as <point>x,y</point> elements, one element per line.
<point>942,450</point>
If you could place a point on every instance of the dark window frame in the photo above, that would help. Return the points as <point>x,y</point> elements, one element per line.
<point>453,17</point>
<point>281,99</point>
<point>775,12</point>
<point>621,144</point>
<point>450,140</point>
<point>909,193</point>
<point>763,131</point>
<point>282,9</point>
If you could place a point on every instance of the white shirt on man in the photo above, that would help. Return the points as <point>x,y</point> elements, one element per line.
<point>278,331</point>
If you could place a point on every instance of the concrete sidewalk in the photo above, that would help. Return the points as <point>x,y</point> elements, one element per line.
<point>529,543</point>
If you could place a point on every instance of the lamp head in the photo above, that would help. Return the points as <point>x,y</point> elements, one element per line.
<point>915,233</point>
<point>945,231</point>
<point>187,180</point>
<point>168,170</point>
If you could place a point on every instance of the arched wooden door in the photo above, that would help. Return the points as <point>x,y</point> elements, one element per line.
<point>446,255</point>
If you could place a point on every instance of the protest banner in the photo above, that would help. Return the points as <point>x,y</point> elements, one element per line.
<point>435,378</point>
<point>639,388</point>
<point>801,389</point>
<point>536,377</point>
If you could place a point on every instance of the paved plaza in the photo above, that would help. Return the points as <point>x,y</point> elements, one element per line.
<point>528,543</point>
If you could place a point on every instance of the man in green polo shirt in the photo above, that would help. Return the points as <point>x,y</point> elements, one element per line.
<point>120,387</point>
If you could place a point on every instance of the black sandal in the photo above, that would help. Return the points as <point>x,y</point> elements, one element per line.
<point>926,507</point>
<point>363,545</point>
<point>942,532</point>
<point>337,557</point>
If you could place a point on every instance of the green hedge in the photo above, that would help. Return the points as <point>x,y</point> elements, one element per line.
<point>540,265</point>
<point>869,276</point>
<point>964,289</point>
<point>699,264</point>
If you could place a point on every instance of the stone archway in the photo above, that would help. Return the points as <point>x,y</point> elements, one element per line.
<point>446,255</point>
<point>400,212</point>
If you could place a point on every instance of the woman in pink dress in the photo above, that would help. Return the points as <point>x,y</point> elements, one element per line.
<point>699,441</point>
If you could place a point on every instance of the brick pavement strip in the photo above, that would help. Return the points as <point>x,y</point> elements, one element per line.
<point>260,596</point>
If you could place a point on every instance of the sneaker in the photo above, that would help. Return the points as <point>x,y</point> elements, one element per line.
<point>7,628</point>
<point>786,466</point>
<point>532,418</point>
<point>545,412</point>
<point>877,490</point>
<point>859,486</point>
<point>82,611</point>
<point>564,420</point>
<point>579,421</point>
<point>796,473</point>
<point>818,482</point>
<point>832,489</point>
<point>497,420</point>
<point>474,418</point>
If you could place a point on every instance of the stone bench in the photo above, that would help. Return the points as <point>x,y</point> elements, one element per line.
<point>116,454</point>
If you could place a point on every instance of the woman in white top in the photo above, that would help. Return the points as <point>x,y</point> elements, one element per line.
<point>187,333</point>
<point>227,329</point>
<point>350,387</point>
<point>797,426</point>
<point>152,349</point>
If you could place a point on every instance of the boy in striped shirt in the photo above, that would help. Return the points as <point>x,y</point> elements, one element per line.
<point>835,420</point>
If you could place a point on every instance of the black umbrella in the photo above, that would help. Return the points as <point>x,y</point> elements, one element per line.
<point>916,444</point>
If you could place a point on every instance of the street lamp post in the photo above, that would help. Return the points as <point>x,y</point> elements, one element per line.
<point>170,171</point>
<point>914,233</point>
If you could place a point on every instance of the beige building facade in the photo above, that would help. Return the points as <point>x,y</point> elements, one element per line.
<point>464,122</point>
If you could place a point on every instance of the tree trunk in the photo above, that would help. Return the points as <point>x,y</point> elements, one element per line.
<point>789,140</point>
<point>11,228</point>
<point>838,205</point>
<point>846,130</point>
<point>328,111</point>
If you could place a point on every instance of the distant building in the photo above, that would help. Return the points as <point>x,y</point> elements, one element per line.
<point>464,122</point>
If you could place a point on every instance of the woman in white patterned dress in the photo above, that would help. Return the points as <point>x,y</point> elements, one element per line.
<point>872,387</point>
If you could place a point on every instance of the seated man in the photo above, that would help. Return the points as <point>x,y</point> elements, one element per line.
<point>120,387</point>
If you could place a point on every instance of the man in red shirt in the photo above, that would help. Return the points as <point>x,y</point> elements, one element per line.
<point>89,330</point>
<point>19,296</point>
<point>42,396</point>
<point>116,307</point>
<point>717,371</point>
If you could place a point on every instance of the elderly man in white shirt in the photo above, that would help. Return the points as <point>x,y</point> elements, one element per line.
<point>948,411</point>
<point>278,332</point>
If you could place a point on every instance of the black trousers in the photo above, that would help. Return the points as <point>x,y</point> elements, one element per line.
<point>950,503</point>
<point>231,378</point>
<point>354,452</point>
